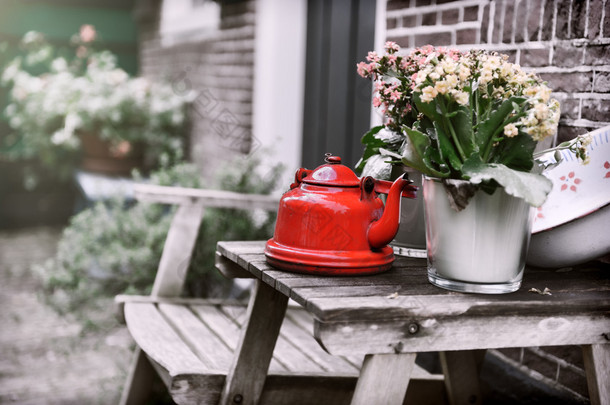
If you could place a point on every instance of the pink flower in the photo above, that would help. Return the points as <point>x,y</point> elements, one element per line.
<point>395,95</point>
<point>376,102</point>
<point>87,33</point>
<point>392,58</point>
<point>373,57</point>
<point>391,47</point>
<point>363,69</point>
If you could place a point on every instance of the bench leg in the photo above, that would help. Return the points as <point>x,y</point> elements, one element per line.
<point>461,370</point>
<point>246,377</point>
<point>597,368</point>
<point>139,383</point>
<point>384,379</point>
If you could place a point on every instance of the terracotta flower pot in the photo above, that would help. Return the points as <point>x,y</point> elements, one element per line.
<point>105,157</point>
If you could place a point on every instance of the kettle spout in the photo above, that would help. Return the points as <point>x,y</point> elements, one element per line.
<point>382,232</point>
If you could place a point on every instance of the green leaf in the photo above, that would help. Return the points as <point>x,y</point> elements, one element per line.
<point>462,124</point>
<point>489,126</point>
<point>372,145</point>
<point>417,153</point>
<point>428,109</point>
<point>533,188</point>
<point>517,152</point>
<point>448,153</point>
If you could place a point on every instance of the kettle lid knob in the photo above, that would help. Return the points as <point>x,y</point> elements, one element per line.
<point>332,159</point>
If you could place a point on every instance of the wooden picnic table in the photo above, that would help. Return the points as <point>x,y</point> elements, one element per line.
<point>392,316</point>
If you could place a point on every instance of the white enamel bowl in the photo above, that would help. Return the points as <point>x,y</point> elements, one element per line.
<point>573,225</point>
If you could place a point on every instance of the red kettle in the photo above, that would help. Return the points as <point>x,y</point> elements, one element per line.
<point>332,222</point>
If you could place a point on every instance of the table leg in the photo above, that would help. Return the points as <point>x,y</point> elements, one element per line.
<point>384,379</point>
<point>246,377</point>
<point>597,368</point>
<point>461,370</point>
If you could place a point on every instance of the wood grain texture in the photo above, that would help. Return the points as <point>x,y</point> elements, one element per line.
<point>461,370</point>
<point>208,198</point>
<point>384,379</point>
<point>246,376</point>
<point>177,251</point>
<point>597,368</point>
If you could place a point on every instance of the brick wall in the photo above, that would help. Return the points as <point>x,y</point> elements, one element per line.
<point>219,67</point>
<point>567,42</point>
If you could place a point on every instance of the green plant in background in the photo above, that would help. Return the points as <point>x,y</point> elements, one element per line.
<point>57,96</point>
<point>115,247</point>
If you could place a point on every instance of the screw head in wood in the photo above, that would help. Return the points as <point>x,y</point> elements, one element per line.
<point>413,328</point>
<point>238,399</point>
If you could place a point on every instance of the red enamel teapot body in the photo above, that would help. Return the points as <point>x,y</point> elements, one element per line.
<point>332,222</point>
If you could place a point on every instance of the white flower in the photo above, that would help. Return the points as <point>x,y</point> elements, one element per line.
<point>59,65</point>
<point>428,94</point>
<point>510,130</point>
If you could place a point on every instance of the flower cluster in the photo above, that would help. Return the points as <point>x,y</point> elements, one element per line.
<point>461,113</point>
<point>461,78</point>
<point>87,93</point>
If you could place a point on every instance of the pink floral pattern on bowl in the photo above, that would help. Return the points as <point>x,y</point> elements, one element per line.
<point>578,189</point>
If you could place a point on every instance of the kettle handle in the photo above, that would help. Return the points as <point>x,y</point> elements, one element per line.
<point>299,176</point>
<point>383,187</point>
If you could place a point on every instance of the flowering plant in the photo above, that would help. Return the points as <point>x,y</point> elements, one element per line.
<point>461,116</point>
<point>57,97</point>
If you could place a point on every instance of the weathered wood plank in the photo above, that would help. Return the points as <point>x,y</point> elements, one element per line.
<point>177,251</point>
<point>384,379</point>
<point>200,339</point>
<point>597,368</point>
<point>246,376</point>
<point>208,198</point>
<point>461,371</point>
<point>459,333</point>
<point>232,249</point>
<point>226,329</point>
<point>401,306</point>
<point>159,341</point>
<point>229,268</point>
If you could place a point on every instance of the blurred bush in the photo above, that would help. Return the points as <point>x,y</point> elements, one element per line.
<point>114,247</point>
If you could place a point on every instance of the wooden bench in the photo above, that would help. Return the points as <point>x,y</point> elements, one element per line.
<point>190,343</point>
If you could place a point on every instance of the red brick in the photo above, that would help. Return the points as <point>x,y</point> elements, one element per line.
<point>507,35</point>
<point>547,22</point>
<point>567,56</point>
<point>403,42</point>
<point>606,22</point>
<point>397,4</point>
<point>563,20</point>
<point>569,82</point>
<point>595,18</point>
<point>485,23</point>
<point>409,21</point>
<point>438,39</point>
<point>450,16</point>
<point>570,109</point>
<point>497,33</point>
<point>601,82</point>
<point>534,57</point>
<point>579,19</point>
<point>521,11</point>
<point>597,55</point>
<point>566,133</point>
<point>429,19</point>
<point>467,36</point>
<point>596,110</point>
<point>533,20</point>
<point>471,13</point>
<point>391,23</point>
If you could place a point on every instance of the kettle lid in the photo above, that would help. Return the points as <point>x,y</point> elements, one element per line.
<point>333,173</point>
